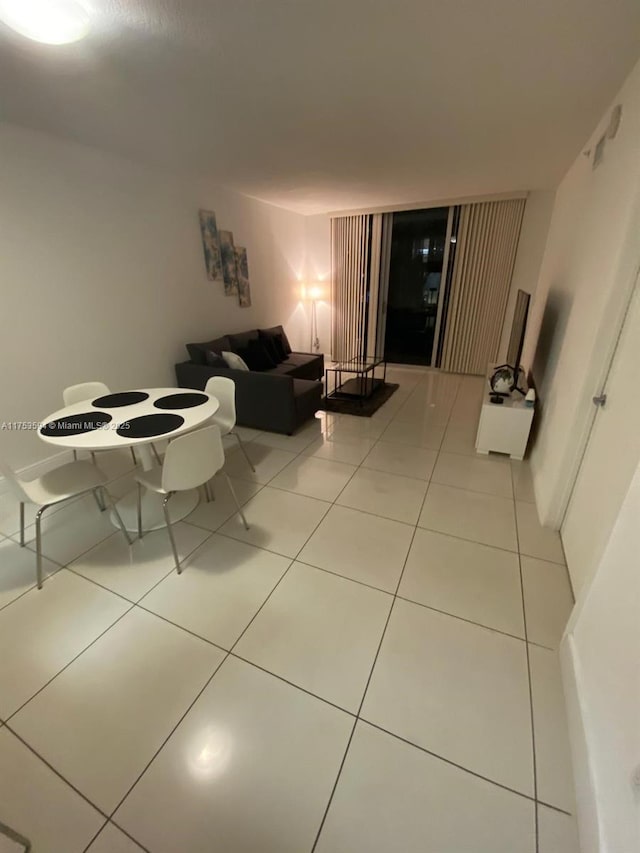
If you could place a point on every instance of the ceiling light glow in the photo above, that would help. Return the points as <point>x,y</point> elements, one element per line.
<point>48,21</point>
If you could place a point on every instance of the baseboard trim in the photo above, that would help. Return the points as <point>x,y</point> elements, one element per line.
<point>586,798</point>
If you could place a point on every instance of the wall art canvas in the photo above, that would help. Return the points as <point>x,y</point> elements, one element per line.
<point>242,269</point>
<point>228,257</point>
<point>211,245</point>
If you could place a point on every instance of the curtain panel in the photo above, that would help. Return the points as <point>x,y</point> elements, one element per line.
<point>486,247</point>
<point>350,248</point>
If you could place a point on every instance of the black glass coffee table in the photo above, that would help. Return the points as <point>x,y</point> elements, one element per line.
<point>362,381</point>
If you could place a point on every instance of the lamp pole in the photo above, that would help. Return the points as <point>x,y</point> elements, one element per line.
<point>315,341</point>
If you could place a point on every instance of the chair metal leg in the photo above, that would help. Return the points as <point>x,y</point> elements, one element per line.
<point>156,454</point>
<point>242,448</point>
<point>21,524</point>
<point>39,545</point>
<point>98,500</point>
<point>207,491</point>
<point>110,501</point>
<point>165,509</point>
<point>75,455</point>
<point>139,507</point>
<point>235,498</point>
<point>133,456</point>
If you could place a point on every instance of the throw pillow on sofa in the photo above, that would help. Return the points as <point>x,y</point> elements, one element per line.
<point>198,352</point>
<point>215,360</point>
<point>234,361</point>
<point>276,331</point>
<point>275,353</point>
<point>257,357</point>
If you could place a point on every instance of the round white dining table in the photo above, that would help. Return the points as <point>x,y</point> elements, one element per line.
<point>134,418</point>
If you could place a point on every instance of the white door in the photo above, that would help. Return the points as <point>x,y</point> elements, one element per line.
<point>610,459</point>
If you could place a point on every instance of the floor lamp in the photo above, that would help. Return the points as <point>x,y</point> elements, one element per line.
<point>314,295</point>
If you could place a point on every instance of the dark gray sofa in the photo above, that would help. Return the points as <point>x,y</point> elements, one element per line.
<point>279,399</point>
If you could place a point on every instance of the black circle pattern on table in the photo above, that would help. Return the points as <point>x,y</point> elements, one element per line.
<point>149,426</point>
<point>181,401</point>
<point>76,424</point>
<point>122,398</point>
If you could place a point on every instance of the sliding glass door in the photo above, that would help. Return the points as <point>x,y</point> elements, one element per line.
<point>425,287</point>
<point>417,264</point>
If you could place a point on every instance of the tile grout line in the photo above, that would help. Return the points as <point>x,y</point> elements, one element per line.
<point>26,744</point>
<point>164,742</point>
<point>531,712</point>
<point>69,566</point>
<point>109,822</point>
<point>33,586</point>
<point>233,511</point>
<point>225,658</point>
<point>373,665</point>
<point>75,658</point>
<point>386,517</point>
<point>422,604</point>
<point>106,630</point>
<point>94,838</point>
<point>183,559</point>
<point>461,767</point>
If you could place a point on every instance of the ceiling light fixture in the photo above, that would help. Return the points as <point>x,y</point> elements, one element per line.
<point>48,21</point>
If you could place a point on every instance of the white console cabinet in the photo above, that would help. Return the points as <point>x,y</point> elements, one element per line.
<point>504,428</point>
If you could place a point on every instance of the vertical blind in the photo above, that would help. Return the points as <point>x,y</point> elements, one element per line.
<point>485,254</point>
<point>350,237</point>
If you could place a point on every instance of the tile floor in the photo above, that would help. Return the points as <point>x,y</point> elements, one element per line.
<point>372,667</point>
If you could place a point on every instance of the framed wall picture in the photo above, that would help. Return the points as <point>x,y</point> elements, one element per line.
<point>242,269</point>
<point>211,245</point>
<point>228,257</point>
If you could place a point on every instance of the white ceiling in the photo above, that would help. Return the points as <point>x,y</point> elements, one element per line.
<point>321,105</point>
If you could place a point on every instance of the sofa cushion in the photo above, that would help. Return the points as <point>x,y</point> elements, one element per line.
<point>256,356</point>
<point>274,331</point>
<point>198,352</point>
<point>240,340</point>
<point>283,369</point>
<point>278,345</point>
<point>214,359</point>
<point>304,365</point>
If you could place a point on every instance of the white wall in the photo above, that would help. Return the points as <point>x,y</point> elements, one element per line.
<point>588,268</point>
<point>102,274</point>
<point>531,245</point>
<point>600,661</point>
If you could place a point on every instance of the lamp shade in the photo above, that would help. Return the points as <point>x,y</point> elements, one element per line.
<point>314,291</point>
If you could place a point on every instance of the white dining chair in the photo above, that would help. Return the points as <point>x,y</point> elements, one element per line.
<point>90,391</point>
<point>84,391</point>
<point>60,484</point>
<point>190,461</point>
<point>224,390</point>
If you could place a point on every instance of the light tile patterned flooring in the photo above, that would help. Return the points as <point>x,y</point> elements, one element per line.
<point>372,667</point>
